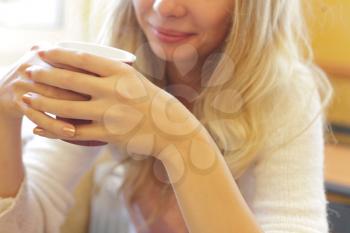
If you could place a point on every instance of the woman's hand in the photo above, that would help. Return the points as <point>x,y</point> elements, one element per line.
<point>14,84</point>
<point>125,108</point>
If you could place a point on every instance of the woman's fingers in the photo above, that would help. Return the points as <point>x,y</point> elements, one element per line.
<point>86,61</point>
<point>66,79</point>
<point>63,108</point>
<point>57,127</point>
<point>26,85</point>
<point>87,132</point>
<point>44,133</point>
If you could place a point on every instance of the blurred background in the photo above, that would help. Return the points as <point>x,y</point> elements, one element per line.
<point>329,25</point>
<point>24,23</point>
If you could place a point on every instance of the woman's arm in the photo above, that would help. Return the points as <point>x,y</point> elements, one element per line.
<point>207,194</point>
<point>11,168</point>
<point>36,188</point>
<point>289,194</point>
<point>53,168</point>
<point>116,111</point>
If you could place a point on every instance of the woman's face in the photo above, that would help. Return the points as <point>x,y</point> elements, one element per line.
<point>179,30</point>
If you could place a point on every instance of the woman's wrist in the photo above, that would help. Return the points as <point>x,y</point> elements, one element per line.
<point>8,119</point>
<point>11,166</point>
<point>9,111</point>
<point>198,153</point>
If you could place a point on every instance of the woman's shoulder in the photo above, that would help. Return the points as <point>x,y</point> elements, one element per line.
<point>297,109</point>
<point>299,97</point>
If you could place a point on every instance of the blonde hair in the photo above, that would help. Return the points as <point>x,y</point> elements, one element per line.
<point>269,47</point>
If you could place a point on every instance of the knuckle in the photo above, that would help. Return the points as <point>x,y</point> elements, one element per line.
<point>23,66</point>
<point>111,115</point>
<point>53,52</point>
<point>17,86</point>
<point>50,91</point>
<point>65,80</point>
<point>83,59</point>
<point>38,103</point>
<point>37,73</point>
<point>68,109</point>
<point>70,77</point>
<point>123,69</point>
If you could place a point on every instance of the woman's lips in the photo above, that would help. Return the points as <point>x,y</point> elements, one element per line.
<point>168,36</point>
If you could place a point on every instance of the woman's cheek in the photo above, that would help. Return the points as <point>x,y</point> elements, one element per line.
<point>142,6</point>
<point>214,29</point>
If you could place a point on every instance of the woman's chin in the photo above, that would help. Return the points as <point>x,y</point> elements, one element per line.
<point>179,53</point>
<point>179,58</point>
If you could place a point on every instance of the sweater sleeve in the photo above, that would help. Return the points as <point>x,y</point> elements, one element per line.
<point>52,170</point>
<point>290,193</point>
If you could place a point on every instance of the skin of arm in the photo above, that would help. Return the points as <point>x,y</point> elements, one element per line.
<point>12,86</point>
<point>11,167</point>
<point>209,199</point>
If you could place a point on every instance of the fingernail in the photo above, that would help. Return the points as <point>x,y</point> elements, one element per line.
<point>41,54</point>
<point>35,47</point>
<point>27,98</point>
<point>28,72</point>
<point>38,131</point>
<point>69,131</point>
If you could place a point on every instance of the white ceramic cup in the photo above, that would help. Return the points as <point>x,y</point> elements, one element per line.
<point>99,50</point>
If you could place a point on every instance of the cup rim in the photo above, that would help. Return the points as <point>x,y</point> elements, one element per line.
<point>100,50</point>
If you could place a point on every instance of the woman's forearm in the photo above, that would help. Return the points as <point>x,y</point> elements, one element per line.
<point>210,200</point>
<point>11,166</point>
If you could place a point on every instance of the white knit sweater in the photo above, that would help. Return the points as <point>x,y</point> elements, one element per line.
<point>284,188</point>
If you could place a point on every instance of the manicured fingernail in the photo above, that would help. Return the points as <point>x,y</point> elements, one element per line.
<point>39,131</point>
<point>69,131</point>
<point>28,72</point>
<point>35,47</point>
<point>27,98</point>
<point>41,54</point>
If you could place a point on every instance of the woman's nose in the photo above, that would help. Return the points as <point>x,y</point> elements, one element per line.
<point>169,8</point>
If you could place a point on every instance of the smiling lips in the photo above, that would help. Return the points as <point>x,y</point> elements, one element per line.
<point>170,36</point>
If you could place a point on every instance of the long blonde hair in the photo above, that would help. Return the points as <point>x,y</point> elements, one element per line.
<point>268,46</point>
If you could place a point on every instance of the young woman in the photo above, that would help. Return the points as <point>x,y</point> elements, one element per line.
<point>224,106</point>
